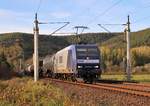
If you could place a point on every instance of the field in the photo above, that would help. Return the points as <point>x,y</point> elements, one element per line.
<point>25,92</point>
<point>140,78</point>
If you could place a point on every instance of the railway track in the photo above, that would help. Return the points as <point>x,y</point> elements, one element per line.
<point>130,86</point>
<point>138,84</point>
<point>131,89</point>
<point>134,89</point>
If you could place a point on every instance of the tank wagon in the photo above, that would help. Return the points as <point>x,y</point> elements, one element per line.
<point>30,69</point>
<point>74,61</point>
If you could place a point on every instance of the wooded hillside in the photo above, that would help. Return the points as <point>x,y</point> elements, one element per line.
<point>20,45</point>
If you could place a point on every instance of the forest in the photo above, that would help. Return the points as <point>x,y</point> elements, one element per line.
<point>16,46</point>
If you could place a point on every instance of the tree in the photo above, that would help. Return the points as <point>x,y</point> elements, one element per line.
<point>5,71</point>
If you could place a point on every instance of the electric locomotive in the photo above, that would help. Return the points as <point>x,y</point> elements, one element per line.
<point>75,61</point>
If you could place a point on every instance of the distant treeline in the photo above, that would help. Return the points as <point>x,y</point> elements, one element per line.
<point>17,46</point>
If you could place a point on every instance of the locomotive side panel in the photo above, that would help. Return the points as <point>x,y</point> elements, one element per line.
<point>60,63</point>
<point>63,61</point>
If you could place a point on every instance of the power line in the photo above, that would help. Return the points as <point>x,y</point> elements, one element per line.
<point>65,24</point>
<point>53,22</point>
<point>80,27</point>
<point>104,12</point>
<point>141,10</point>
<point>111,24</point>
<point>60,28</point>
<point>140,20</point>
<point>39,5</point>
<point>104,28</point>
<point>134,12</point>
<point>86,10</point>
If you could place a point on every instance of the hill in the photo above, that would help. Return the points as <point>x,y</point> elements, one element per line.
<point>114,52</point>
<point>18,46</point>
<point>140,38</point>
<point>49,44</point>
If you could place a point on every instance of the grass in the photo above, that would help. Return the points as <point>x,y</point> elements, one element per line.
<point>24,91</point>
<point>140,78</point>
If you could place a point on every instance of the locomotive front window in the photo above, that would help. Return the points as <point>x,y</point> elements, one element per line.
<point>81,49</point>
<point>91,52</point>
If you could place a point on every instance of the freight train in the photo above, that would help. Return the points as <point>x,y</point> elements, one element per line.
<point>75,61</point>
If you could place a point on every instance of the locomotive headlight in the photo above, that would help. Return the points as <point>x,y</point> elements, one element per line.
<point>96,66</point>
<point>80,67</point>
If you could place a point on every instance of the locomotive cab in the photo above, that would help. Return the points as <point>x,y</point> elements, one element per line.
<point>88,62</point>
<point>81,60</point>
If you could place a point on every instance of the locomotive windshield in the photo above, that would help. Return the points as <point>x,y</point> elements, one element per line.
<point>84,52</point>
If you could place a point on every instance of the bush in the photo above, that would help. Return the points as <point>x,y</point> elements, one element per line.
<point>140,55</point>
<point>5,71</point>
<point>26,92</point>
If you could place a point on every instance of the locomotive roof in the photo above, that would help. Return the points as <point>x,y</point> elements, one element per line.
<point>85,45</point>
<point>75,45</point>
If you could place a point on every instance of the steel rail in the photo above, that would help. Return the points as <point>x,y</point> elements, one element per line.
<point>110,88</point>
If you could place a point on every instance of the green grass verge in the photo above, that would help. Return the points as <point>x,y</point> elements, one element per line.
<point>140,78</point>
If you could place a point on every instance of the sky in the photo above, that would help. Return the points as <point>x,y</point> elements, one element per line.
<point>18,15</point>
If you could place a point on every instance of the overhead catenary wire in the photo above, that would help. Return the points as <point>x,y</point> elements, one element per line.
<point>134,22</point>
<point>38,7</point>
<point>141,19</point>
<point>65,23</point>
<point>134,12</point>
<point>80,27</point>
<point>54,22</point>
<point>105,11</point>
<point>116,3</point>
<point>104,28</point>
<point>140,9</point>
<point>112,24</point>
<point>60,28</point>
